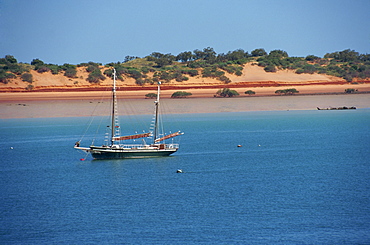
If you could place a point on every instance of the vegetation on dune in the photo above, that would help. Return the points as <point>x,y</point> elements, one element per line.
<point>10,68</point>
<point>69,70</point>
<point>347,64</point>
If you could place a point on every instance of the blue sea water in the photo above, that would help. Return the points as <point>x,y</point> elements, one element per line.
<point>300,177</point>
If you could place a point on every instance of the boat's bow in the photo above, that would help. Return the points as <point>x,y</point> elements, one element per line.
<point>86,149</point>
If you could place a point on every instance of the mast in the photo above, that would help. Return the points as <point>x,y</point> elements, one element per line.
<point>156,114</point>
<point>114,101</point>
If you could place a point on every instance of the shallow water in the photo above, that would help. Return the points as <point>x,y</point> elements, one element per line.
<point>300,177</point>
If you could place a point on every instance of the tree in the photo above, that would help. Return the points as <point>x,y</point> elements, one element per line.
<point>166,59</point>
<point>226,92</point>
<point>278,53</point>
<point>185,56</point>
<point>344,56</point>
<point>348,55</point>
<point>209,54</point>
<point>129,58</point>
<point>198,54</point>
<point>37,63</point>
<point>250,92</point>
<point>312,57</point>
<point>11,59</point>
<point>238,54</point>
<point>258,52</point>
<point>180,94</point>
<point>161,59</point>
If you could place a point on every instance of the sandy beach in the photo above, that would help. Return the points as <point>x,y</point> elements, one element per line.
<point>77,104</point>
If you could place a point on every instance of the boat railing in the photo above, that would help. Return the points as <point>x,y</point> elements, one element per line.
<point>142,146</point>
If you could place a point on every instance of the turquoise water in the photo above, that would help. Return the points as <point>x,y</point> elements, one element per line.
<point>300,177</point>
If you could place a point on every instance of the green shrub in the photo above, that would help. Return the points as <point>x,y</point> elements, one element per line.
<point>95,76</point>
<point>43,69</point>
<point>27,77</point>
<point>270,68</point>
<point>140,81</point>
<point>350,90</point>
<point>181,78</point>
<point>288,91</point>
<point>70,72</point>
<point>258,52</point>
<point>5,76</point>
<point>224,79</point>
<point>17,68</point>
<point>250,92</point>
<point>37,63</point>
<point>312,58</point>
<point>134,73</point>
<point>191,72</point>
<point>151,95</point>
<point>166,76</point>
<point>30,87</point>
<point>180,94</point>
<point>55,69</point>
<point>226,92</point>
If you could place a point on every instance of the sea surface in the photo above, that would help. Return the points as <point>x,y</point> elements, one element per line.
<point>299,177</point>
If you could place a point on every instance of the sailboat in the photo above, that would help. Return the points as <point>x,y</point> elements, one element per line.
<point>118,150</point>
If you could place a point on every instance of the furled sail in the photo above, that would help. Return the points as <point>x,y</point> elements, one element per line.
<point>168,136</point>
<point>130,137</point>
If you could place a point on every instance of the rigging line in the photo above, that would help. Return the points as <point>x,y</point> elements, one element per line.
<point>169,116</point>
<point>93,115</point>
<point>92,118</point>
<point>132,111</point>
<point>128,112</point>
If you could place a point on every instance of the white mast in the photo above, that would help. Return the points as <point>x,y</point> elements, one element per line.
<point>156,113</point>
<point>114,101</point>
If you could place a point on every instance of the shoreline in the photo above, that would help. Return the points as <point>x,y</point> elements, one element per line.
<point>208,92</point>
<point>78,105</point>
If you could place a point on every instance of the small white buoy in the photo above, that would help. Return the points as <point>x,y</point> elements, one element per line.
<point>11,148</point>
<point>259,145</point>
<point>179,171</point>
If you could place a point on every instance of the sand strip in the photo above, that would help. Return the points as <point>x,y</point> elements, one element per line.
<point>71,106</point>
